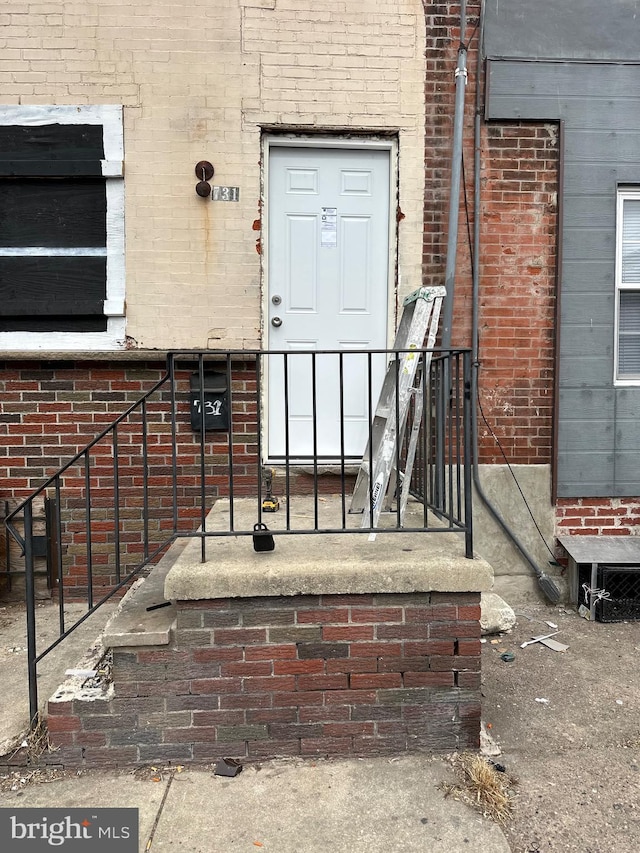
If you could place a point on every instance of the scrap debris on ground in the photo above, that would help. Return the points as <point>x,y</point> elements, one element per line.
<point>20,779</point>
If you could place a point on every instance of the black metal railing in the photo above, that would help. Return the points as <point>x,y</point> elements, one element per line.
<point>217,429</point>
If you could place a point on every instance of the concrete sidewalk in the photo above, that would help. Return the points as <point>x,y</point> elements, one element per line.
<point>383,805</point>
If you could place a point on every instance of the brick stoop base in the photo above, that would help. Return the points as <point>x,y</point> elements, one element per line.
<point>307,675</point>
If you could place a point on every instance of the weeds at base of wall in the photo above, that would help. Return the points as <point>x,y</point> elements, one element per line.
<point>483,787</point>
<point>36,742</point>
<point>34,745</point>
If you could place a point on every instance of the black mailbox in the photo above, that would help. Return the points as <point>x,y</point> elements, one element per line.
<point>215,399</point>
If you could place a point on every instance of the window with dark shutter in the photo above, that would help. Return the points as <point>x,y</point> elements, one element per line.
<point>56,250</point>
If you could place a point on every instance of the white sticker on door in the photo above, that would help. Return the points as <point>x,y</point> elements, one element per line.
<point>329,229</point>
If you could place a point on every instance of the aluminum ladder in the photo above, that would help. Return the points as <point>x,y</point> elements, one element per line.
<point>420,318</point>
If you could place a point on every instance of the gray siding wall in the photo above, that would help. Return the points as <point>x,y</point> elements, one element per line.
<point>563,29</point>
<point>599,425</point>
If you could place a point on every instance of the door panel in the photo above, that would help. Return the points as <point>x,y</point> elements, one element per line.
<point>301,260</point>
<point>328,254</point>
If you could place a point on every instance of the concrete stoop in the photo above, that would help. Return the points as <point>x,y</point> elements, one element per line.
<point>330,645</point>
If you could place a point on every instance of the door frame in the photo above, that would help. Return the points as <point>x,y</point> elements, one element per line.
<point>291,140</point>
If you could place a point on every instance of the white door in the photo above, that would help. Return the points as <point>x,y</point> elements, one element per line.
<point>328,274</point>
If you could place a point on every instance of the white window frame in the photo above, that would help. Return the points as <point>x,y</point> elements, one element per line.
<point>623,194</point>
<point>109,116</point>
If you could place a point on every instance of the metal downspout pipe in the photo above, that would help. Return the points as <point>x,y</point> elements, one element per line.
<point>440,488</point>
<point>546,584</point>
<point>456,171</point>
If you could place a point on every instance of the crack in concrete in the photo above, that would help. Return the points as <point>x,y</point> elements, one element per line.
<point>147,846</point>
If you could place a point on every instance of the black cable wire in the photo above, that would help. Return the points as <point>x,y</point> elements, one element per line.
<point>511,471</point>
<point>473,32</point>
<point>466,211</point>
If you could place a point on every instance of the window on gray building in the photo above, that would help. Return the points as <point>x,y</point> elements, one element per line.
<point>628,286</point>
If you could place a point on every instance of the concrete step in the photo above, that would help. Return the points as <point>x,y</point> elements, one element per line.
<point>134,623</point>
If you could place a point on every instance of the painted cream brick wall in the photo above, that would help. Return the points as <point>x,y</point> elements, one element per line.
<point>198,81</point>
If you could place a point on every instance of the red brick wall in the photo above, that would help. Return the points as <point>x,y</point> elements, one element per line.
<point>259,678</point>
<point>517,291</point>
<point>517,252</point>
<point>50,411</point>
<point>591,516</point>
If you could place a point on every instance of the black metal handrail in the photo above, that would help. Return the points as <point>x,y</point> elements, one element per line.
<point>25,511</point>
<point>154,474</point>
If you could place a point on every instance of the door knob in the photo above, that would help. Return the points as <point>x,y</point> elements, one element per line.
<point>276,321</point>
